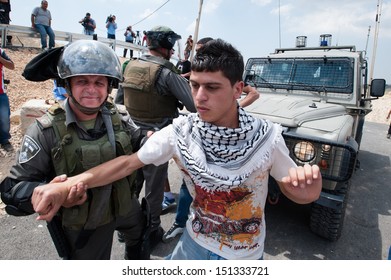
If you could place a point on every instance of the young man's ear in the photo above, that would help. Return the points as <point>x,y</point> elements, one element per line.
<point>238,89</point>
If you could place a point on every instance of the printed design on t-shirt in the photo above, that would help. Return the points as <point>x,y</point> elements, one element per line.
<point>227,215</point>
<point>29,149</point>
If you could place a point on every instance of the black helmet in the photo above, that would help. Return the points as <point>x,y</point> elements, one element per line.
<point>163,37</point>
<point>90,57</point>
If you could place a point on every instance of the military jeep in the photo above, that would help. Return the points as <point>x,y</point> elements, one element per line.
<point>320,96</point>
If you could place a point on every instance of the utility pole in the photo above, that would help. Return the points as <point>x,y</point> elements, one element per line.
<point>366,45</point>
<point>195,37</point>
<point>279,24</point>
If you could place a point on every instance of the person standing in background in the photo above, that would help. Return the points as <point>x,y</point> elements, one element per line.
<point>88,24</point>
<point>144,42</point>
<point>41,20</point>
<point>5,110</point>
<point>184,65</point>
<point>111,26</point>
<point>189,44</point>
<point>129,37</point>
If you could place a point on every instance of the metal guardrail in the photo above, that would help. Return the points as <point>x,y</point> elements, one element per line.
<point>24,31</point>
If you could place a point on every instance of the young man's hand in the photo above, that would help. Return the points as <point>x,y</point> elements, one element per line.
<point>302,184</point>
<point>47,199</point>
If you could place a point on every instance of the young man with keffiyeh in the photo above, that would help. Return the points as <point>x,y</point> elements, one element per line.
<point>225,156</point>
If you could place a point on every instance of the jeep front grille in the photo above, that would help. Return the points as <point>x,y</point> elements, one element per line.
<point>336,161</point>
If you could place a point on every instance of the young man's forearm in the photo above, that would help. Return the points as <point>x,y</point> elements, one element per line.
<point>47,199</point>
<point>107,172</point>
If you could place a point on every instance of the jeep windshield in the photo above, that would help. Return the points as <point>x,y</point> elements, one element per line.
<point>316,74</point>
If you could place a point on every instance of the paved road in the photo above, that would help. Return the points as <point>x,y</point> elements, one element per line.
<point>366,234</point>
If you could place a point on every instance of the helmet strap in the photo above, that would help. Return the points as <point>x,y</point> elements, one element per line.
<point>86,110</point>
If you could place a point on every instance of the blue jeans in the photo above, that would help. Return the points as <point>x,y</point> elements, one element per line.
<point>188,249</point>
<point>89,32</point>
<point>184,202</point>
<point>45,30</point>
<point>5,113</point>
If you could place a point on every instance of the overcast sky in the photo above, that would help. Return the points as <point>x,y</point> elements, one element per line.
<point>255,27</point>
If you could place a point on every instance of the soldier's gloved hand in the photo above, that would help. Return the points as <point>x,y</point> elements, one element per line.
<point>77,194</point>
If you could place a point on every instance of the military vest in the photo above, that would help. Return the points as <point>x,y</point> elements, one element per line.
<point>141,98</point>
<point>73,156</point>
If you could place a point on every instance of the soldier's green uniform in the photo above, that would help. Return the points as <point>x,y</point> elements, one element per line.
<point>46,152</point>
<point>59,143</point>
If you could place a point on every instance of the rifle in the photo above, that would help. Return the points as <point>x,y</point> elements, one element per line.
<point>58,236</point>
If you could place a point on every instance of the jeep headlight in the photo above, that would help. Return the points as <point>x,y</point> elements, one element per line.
<point>304,151</point>
<point>326,148</point>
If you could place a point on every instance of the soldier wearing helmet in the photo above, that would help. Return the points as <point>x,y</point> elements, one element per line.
<point>88,131</point>
<point>89,58</point>
<point>153,90</point>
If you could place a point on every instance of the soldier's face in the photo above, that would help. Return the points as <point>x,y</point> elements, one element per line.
<point>89,90</point>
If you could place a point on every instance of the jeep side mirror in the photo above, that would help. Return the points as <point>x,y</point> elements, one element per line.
<point>378,87</point>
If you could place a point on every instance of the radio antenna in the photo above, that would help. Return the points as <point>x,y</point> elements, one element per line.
<point>378,13</point>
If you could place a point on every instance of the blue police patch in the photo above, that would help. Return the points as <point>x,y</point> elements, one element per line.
<point>28,150</point>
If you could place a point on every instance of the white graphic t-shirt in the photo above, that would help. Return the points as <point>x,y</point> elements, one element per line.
<point>226,171</point>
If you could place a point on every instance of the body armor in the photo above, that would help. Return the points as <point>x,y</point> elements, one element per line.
<point>141,98</point>
<point>73,156</point>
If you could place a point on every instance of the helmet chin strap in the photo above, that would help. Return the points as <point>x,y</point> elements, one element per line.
<point>86,110</point>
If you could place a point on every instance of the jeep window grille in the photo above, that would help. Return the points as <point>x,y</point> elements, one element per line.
<point>331,74</point>
<point>336,161</point>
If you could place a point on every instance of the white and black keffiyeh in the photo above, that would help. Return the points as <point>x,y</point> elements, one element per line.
<point>220,157</point>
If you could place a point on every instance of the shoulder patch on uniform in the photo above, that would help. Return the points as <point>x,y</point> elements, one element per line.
<point>28,150</point>
<point>45,121</point>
